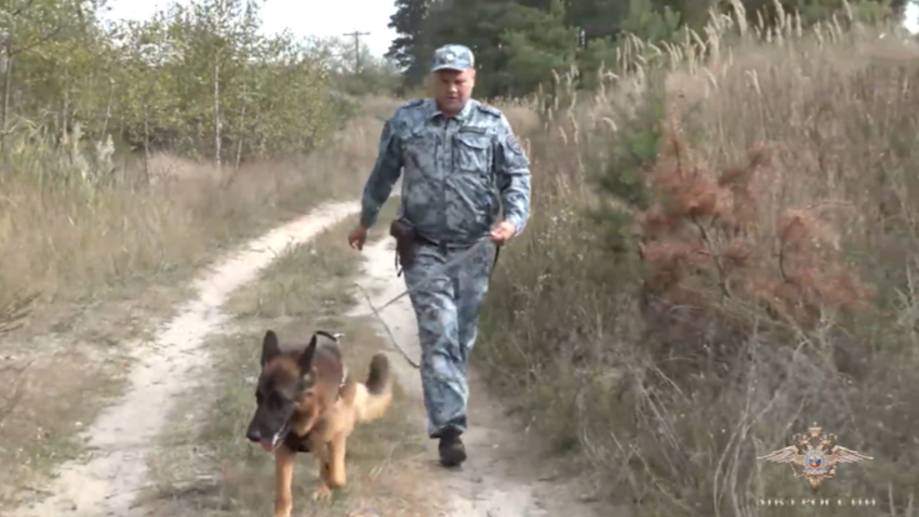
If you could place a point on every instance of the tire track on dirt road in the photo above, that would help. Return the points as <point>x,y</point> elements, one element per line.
<point>506,475</point>
<point>107,479</point>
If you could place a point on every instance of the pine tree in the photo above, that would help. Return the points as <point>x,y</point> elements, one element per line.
<point>516,46</point>
<point>815,10</point>
<point>596,18</point>
<point>410,49</point>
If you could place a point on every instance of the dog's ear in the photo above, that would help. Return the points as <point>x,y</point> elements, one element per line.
<point>270,347</point>
<point>306,358</point>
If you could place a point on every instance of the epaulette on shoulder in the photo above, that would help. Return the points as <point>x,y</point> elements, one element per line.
<point>412,104</point>
<point>405,112</point>
<point>407,108</point>
<point>491,110</point>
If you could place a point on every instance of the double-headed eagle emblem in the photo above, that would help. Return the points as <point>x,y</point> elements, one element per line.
<point>815,456</point>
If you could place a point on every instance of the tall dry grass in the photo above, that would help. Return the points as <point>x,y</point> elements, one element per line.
<point>75,221</point>
<point>754,274</point>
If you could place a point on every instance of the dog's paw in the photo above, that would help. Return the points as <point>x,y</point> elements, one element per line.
<point>323,493</point>
<point>282,509</point>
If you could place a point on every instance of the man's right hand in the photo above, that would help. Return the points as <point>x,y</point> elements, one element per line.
<point>358,237</point>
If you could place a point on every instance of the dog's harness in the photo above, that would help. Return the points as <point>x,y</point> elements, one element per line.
<point>344,368</point>
<point>299,443</point>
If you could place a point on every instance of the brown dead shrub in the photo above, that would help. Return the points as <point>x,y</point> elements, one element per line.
<point>698,247</point>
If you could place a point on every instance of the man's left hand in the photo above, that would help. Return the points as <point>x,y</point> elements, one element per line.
<point>503,232</point>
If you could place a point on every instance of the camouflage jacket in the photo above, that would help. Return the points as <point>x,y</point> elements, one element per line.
<point>460,174</point>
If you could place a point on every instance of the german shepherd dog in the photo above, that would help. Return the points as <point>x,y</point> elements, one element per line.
<point>307,402</point>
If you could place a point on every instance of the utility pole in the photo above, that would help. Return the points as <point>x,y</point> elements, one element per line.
<point>357,48</point>
<point>6,69</point>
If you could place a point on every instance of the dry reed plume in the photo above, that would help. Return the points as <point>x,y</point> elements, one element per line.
<point>746,267</point>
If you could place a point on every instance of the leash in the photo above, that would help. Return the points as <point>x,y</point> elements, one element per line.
<point>449,264</point>
<point>392,337</point>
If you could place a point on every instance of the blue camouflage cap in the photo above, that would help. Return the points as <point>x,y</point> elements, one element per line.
<point>453,57</point>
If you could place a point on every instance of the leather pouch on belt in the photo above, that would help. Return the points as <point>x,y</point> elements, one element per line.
<point>405,241</point>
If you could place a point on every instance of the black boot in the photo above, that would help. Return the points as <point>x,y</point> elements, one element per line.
<point>452,451</point>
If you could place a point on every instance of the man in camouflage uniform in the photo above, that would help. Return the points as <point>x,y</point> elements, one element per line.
<point>466,180</point>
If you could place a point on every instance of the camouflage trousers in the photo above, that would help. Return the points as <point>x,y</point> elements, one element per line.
<point>447,310</point>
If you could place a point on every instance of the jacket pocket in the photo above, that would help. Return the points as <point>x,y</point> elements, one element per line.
<point>472,152</point>
<point>419,149</point>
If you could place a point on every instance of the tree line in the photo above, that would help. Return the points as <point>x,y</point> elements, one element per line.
<point>198,78</point>
<point>518,43</point>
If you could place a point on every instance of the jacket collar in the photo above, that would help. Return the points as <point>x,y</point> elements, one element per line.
<point>462,116</point>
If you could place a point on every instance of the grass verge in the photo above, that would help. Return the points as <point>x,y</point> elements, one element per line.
<point>722,253</point>
<point>108,261</point>
<point>207,467</point>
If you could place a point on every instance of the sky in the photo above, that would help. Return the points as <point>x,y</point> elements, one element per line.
<point>302,17</point>
<point>334,17</point>
<point>912,17</point>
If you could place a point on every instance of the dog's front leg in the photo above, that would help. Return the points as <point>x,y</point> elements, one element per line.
<point>325,467</point>
<point>284,474</point>
<point>337,476</point>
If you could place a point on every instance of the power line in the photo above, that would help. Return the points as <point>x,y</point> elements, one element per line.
<point>357,48</point>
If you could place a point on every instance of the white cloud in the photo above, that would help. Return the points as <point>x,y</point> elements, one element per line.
<point>335,17</point>
<point>302,17</point>
<point>912,17</point>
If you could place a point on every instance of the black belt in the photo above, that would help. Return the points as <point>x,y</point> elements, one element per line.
<point>443,247</point>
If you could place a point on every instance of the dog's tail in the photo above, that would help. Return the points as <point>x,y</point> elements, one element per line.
<point>374,396</point>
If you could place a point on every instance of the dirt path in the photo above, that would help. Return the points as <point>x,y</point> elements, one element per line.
<point>120,439</point>
<point>505,475</point>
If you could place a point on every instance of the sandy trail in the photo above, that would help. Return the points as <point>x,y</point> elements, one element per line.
<point>121,438</point>
<point>504,476</point>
